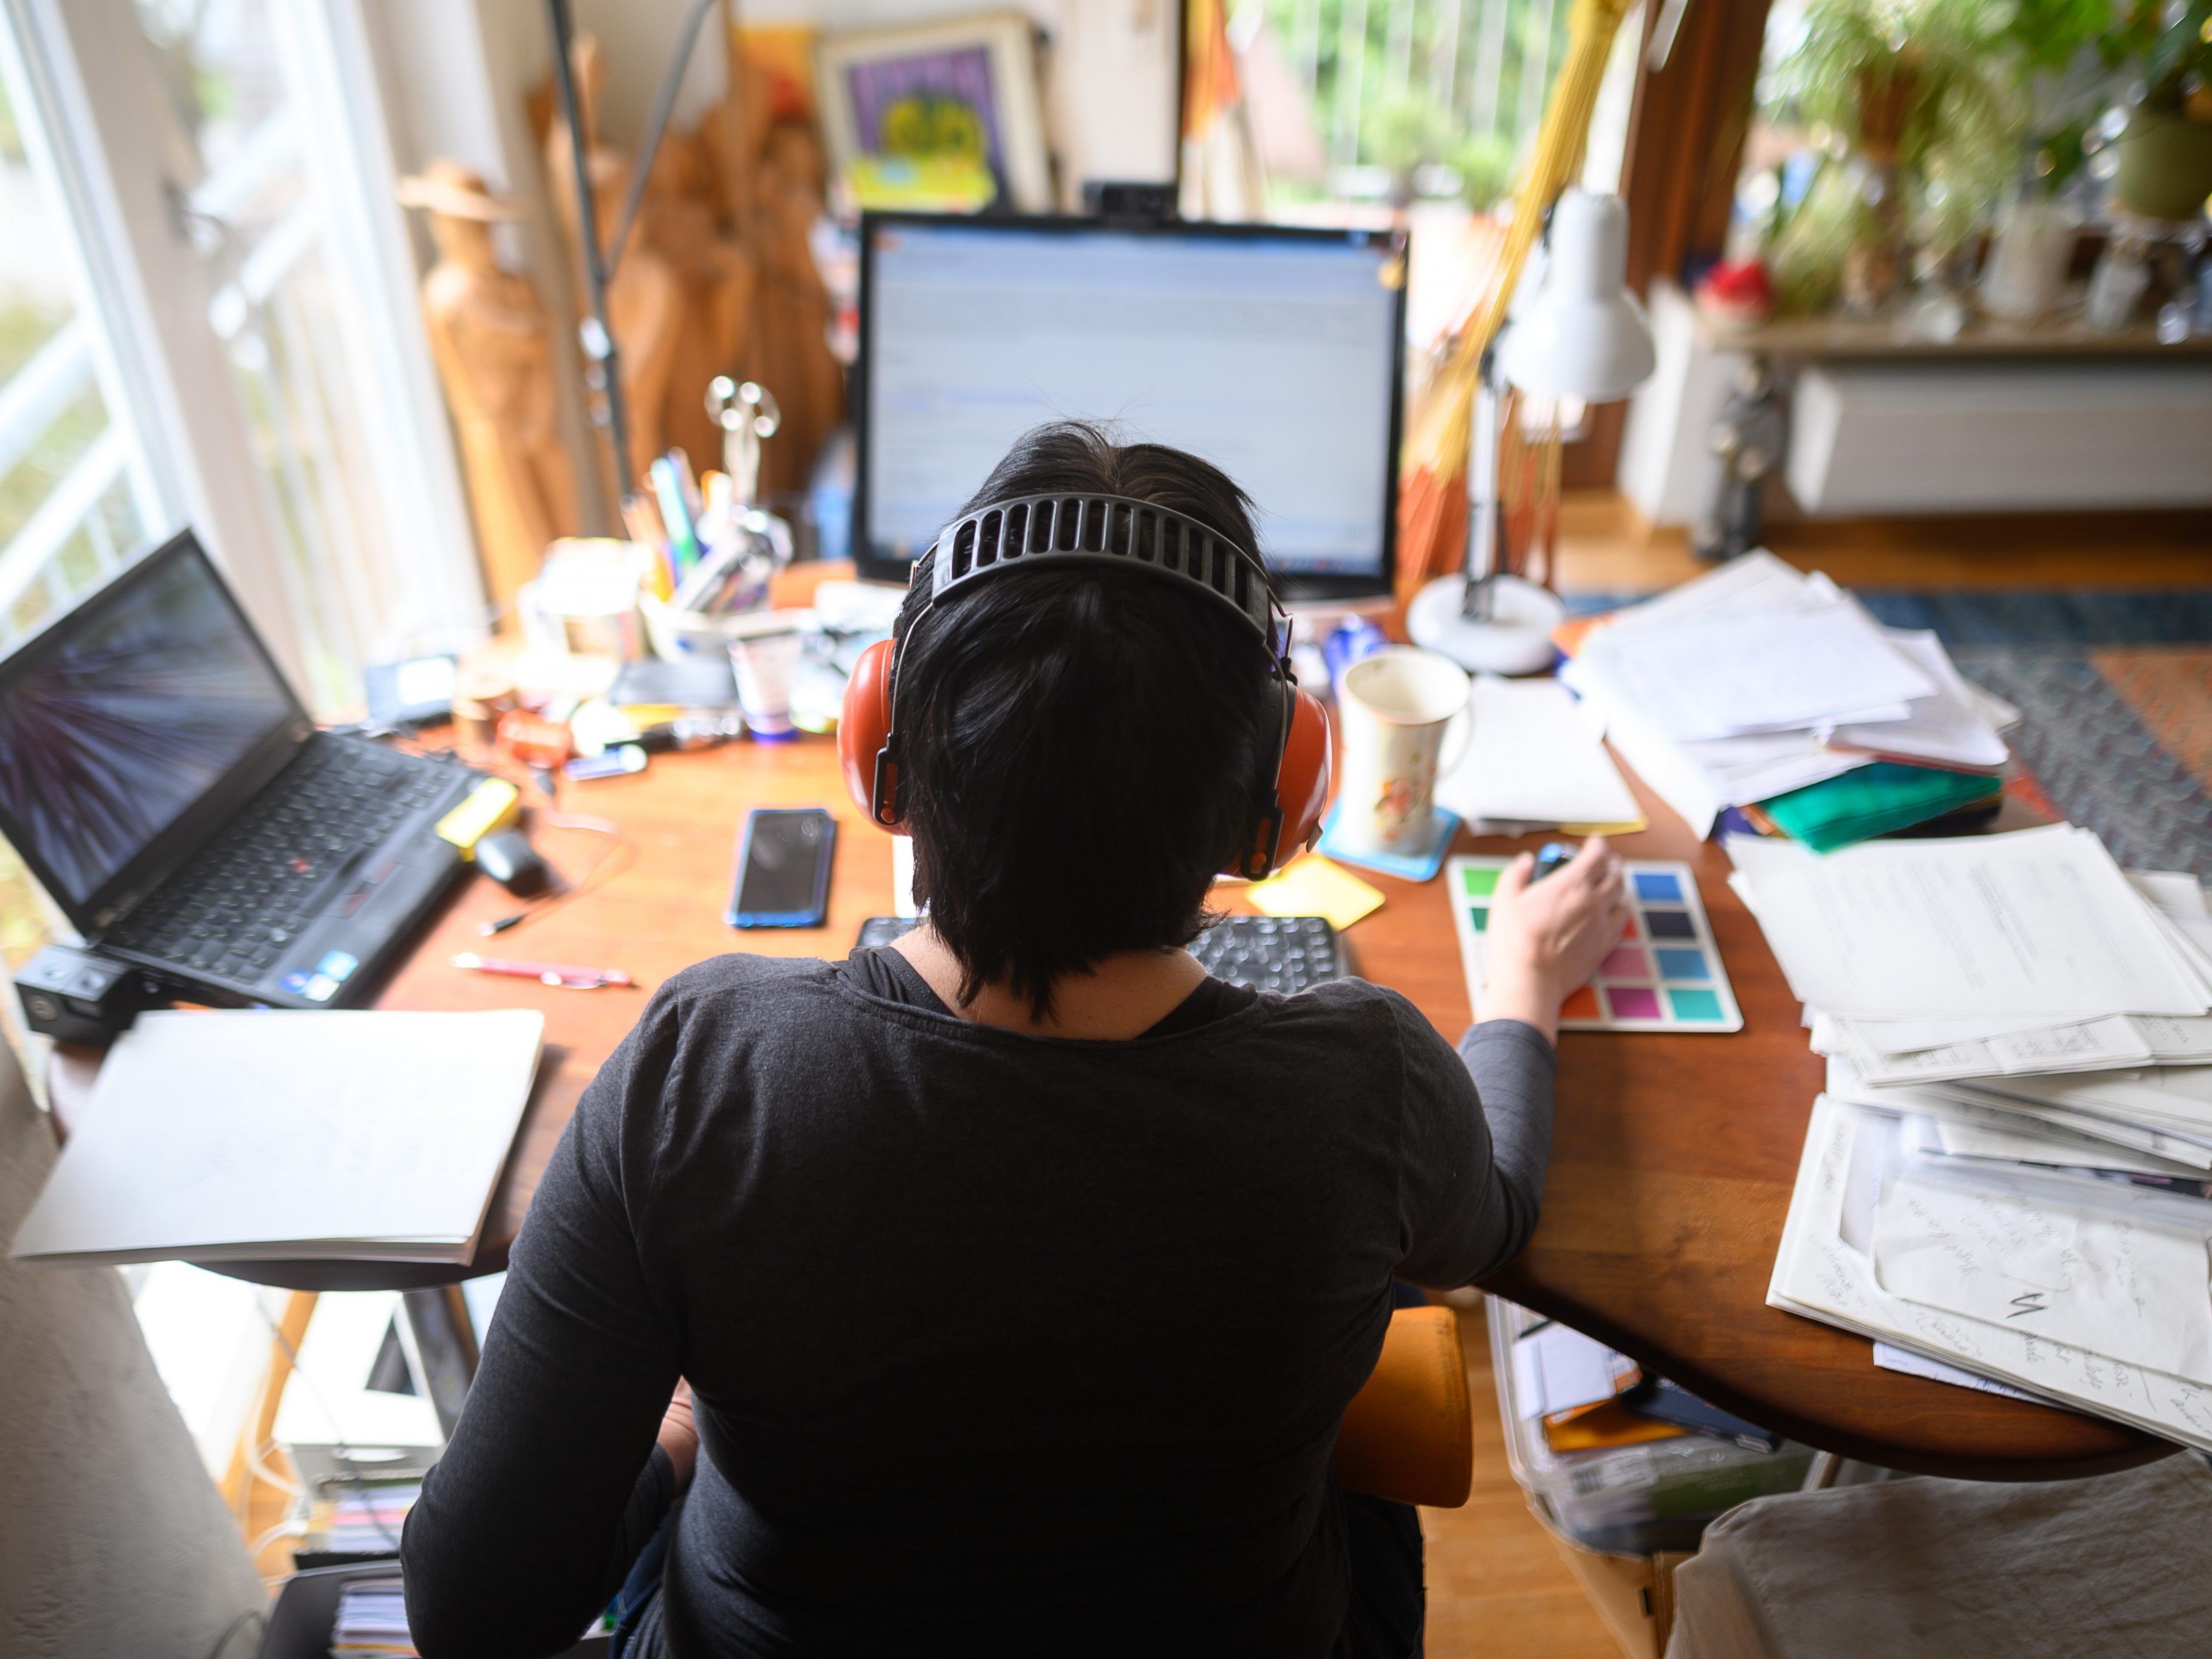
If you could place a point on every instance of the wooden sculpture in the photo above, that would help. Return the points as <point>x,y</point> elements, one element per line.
<point>679,219</point>
<point>644,301</point>
<point>492,339</point>
<point>792,356</point>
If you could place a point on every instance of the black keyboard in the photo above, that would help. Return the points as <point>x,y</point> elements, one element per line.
<point>1287,954</point>
<point>1270,953</point>
<point>240,903</point>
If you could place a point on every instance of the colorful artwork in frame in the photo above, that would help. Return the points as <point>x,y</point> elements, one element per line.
<point>943,114</point>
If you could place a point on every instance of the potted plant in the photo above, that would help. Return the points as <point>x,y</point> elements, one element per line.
<point>2070,61</point>
<point>1906,90</point>
<point>2165,153</point>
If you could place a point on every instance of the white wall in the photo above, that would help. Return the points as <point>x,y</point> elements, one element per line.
<point>113,1539</point>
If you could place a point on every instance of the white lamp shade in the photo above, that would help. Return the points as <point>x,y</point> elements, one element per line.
<point>1583,336</point>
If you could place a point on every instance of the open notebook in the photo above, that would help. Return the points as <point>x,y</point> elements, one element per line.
<point>262,1134</point>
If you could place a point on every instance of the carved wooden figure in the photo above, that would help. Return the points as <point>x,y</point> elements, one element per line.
<point>678,220</point>
<point>492,339</point>
<point>644,301</point>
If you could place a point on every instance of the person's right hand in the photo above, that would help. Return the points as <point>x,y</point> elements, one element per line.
<point>1545,940</point>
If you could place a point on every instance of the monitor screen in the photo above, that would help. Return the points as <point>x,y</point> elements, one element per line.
<point>118,717</point>
<point>1274,353</point>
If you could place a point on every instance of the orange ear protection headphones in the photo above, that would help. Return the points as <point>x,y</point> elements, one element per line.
<point>1059,532</point>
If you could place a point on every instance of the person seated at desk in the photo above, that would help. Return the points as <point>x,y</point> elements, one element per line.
<point>1019,1271</point>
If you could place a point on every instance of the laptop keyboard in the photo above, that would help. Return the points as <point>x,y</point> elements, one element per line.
<point>237,908</point>
<point>1271,953</point>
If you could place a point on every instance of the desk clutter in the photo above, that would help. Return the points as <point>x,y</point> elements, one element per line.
<point>1767,702</point>
<point>2005,1182</point>
<point>1615,1460</point>
<point>201,1144</point>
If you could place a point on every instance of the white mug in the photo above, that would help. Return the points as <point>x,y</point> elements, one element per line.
<point>1395,710</point>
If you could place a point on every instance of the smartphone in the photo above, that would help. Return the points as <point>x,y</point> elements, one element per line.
<point>783,869</point>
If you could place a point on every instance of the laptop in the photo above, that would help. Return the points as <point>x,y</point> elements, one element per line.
<point>167,788</point>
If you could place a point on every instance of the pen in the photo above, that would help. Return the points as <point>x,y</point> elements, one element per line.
<point>545,973</point>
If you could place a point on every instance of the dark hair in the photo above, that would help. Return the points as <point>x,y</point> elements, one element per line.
<point>1078,749</point>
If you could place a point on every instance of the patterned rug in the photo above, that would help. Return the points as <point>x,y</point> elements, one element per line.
<point>2114,689</point>
<point>2115,695</point>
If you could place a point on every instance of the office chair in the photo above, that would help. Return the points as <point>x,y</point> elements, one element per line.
<point>1408,1435</point>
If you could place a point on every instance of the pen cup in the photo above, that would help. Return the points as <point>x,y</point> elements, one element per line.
<point>764,653</point>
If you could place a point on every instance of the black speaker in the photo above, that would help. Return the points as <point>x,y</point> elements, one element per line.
<point>79,996</point>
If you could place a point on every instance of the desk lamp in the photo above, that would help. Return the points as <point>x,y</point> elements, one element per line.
<point>1580,335</point>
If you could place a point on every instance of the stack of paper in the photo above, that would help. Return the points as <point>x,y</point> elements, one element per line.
<point>1536,760</point>
<point>371,1619</point>
<point>2007,1172</point>
<point>1757,679</point>
<point>266,1135</point>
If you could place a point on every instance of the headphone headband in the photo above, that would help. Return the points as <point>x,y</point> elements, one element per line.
<point>1292,788</point>
<point>1028,531</point>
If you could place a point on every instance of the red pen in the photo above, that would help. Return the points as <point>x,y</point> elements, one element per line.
<point>545,973</point>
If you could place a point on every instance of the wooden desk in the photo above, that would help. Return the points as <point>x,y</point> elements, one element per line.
<point>1673,1163</point>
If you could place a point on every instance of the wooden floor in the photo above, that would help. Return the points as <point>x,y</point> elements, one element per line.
<point>1498,1587</point>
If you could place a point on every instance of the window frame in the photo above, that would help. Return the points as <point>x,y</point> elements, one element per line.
<point>94,95</point>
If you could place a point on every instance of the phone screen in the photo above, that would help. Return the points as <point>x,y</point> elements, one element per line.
<point>783,879</point>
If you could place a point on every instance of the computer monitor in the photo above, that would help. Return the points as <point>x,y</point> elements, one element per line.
<point>1276,353</point>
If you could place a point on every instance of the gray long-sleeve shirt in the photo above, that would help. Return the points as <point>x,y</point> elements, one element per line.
<point>1000,1344</point>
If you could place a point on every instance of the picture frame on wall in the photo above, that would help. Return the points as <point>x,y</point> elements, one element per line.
<point>939,114</point>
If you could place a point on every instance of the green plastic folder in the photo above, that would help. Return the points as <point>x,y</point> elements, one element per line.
<point>1874,800</point>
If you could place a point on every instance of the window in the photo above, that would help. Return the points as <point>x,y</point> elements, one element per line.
<point>75,493</point>
<point>208,316</point>
<point>283,183</point>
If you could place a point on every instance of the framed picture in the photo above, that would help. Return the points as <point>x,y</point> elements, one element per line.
<point>944,113</point>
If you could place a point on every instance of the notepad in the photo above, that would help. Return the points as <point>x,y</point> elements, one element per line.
<point>1314,887</point>
<point>1664,974</point>
<point>1534,756</point>
<point>266,1135</point>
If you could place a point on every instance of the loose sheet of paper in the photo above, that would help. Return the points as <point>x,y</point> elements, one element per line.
<point>1819,1274</point>
<point>1949,728</point>
<point>1891,1357</point>
<point>2136,1288</point>
<point>1534,756</point>
<point>1557,1368</point>
<point>2022,1142</point>
<point>2040,921</point>
<point>1719,677</point>
<point>258,1133</point>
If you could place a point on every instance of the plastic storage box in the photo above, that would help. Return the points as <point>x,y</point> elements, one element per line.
<point>1629,1500</point>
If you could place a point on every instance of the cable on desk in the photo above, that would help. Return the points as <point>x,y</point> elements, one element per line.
<point>602,870</point>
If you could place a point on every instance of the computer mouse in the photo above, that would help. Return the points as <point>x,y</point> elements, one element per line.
<point>509,859</point>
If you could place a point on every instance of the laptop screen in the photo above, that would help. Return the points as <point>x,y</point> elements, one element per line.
<point>121,716</point>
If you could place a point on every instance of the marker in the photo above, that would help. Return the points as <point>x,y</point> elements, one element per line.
<point>554,974</point>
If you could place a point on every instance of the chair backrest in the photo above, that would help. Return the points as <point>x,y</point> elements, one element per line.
<point>1408,1436</point>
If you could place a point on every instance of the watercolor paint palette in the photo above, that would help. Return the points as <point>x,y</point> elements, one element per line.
<point>1665,973</point>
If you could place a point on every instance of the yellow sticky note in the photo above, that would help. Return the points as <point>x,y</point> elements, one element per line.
<point>493,805</point>
<point>1314,887</point>
<point>1627,827</point>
